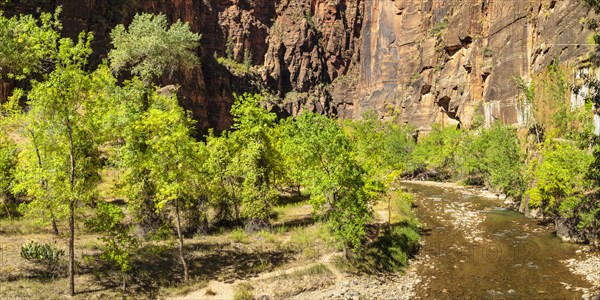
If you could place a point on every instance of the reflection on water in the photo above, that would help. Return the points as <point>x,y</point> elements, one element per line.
<point>473,249</point>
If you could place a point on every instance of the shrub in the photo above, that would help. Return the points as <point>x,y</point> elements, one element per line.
<point>436,152</point>
<point>47,255</point>
<point>391,251</point>
<point>561,178</point>
<point>239,235</point>
<point>244,292</point>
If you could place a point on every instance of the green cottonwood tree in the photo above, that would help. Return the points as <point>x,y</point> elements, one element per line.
<point>254,160</point>
<point>335,182</point>
<point>171,157</point>
<point>242,165</point>
<point>28,45</point>
<point>150,48</point>
<point>65,134</point>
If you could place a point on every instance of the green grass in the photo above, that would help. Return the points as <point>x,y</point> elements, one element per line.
<point>267,236</point>
<point>244,292</point>
<point>318,269</point>
<point>311,242</point>
<point>239,235</point>
<point>21,226</point>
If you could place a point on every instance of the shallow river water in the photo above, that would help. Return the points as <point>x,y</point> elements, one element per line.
<point>473,249</point>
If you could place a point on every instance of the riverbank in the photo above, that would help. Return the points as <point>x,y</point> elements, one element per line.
<point>468,190</point>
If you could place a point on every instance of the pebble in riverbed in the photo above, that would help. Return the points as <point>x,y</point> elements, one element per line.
<point>399,287</point>
<point>466,220</point>
<point>589,268</point>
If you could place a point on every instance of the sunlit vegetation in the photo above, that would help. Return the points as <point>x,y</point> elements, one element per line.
<point>105,161</point>
<point>102,158</point>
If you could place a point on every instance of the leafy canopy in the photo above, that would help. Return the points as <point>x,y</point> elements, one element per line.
<point>28,46</point>
<point>150,48</point>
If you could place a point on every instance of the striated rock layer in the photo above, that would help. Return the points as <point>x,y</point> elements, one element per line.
<point>415,61</point>
<point>450,61</point>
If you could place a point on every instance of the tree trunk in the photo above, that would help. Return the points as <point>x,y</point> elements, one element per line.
<point>181,254</point>
<point>72,248</point>
<point>389,212</point>
<point>124,286</point>
<point>71,215</point>
<point>54,224</point>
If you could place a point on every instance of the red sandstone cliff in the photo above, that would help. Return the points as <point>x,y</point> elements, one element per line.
<point>415,61</point>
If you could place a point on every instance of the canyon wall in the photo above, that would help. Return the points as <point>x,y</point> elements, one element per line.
<point>418,62</point>
<point>448,62</point>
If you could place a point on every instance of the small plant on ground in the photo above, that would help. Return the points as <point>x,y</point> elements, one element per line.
<point>244,292</point>
<point>47,255</point>
<point>118,244</point>
<point>239,235</point>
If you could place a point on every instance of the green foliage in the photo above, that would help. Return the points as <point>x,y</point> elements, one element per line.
<point>244,292</point>
<point>229,48</point>
<point>172,153</point>
<point>494,156</point>
<point>392,250</point>
<point>28,45</point>
<point>558,88</point>
<point>44,253</point>
<point>243,164</point>
<point>561,178</point>
<point>380,147</point>
<point>595,4</point>
<point>160,158</point>
<point>527,105</point>
<point>119,245</point>
<point>60,159</point>
<point>437,151</point>
<point>8,163</point>
<point>321,153</point>
<point>234,67</point>
<point>150,48</point>
<point>247,59</point>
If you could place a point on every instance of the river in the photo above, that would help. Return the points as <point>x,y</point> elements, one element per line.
<point>474,249</point>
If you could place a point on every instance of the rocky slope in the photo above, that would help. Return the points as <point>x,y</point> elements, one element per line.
<point>419,62</point>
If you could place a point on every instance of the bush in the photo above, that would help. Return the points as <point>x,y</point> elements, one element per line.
<point>493,157</point>
<point>47,255</point>
<point>391,251</point>
<point>244,292</point>
<point>436,153</point>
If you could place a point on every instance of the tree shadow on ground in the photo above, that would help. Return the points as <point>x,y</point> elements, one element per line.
<point>159,266</point>
<point>305,221</point>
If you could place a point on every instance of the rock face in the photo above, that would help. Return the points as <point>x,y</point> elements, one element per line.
<point>312,43</point>
<point>419,62</point>
<point>449,61</point>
